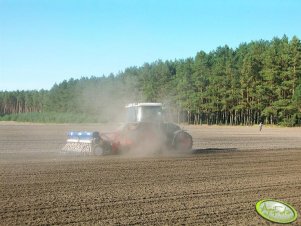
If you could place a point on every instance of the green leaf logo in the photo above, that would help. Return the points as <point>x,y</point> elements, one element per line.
<point>276,211</point>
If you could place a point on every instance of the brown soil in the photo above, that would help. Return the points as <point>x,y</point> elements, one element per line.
<point>230,169</point>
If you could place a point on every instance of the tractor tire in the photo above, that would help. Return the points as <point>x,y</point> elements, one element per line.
<point>182,141</point>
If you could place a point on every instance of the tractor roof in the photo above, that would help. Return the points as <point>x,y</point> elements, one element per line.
<point>143,104</point>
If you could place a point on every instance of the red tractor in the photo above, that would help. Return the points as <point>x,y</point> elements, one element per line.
<point>144,130</point>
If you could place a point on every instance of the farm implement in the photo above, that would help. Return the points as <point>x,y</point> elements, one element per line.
<point>144,130</point>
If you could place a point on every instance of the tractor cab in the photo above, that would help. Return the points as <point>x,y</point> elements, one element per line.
<point>144,112</point>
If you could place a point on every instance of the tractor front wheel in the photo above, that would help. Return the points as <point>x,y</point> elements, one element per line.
<point>183,141</point>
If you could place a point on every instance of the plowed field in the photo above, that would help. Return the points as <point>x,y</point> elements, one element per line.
<point>230,169</point>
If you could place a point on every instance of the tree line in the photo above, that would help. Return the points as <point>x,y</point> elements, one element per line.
<point>257,82</point>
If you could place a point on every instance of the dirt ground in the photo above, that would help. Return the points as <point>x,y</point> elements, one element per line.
<point>219,183</point>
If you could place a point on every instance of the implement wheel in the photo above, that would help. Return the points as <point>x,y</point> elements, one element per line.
<point>98,150</point>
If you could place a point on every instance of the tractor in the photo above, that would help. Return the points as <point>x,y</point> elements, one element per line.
<point>144,129</point>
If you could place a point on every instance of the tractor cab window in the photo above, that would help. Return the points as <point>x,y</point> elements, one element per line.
<point>131,114</point>
<point>150,114</point>
<point>144,114</point>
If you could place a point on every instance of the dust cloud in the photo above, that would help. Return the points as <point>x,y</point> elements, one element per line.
<point>107,100</point>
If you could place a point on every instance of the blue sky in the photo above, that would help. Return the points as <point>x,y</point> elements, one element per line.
<point>43,42</point>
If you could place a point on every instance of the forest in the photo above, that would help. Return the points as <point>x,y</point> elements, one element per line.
<point>259,81</point>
